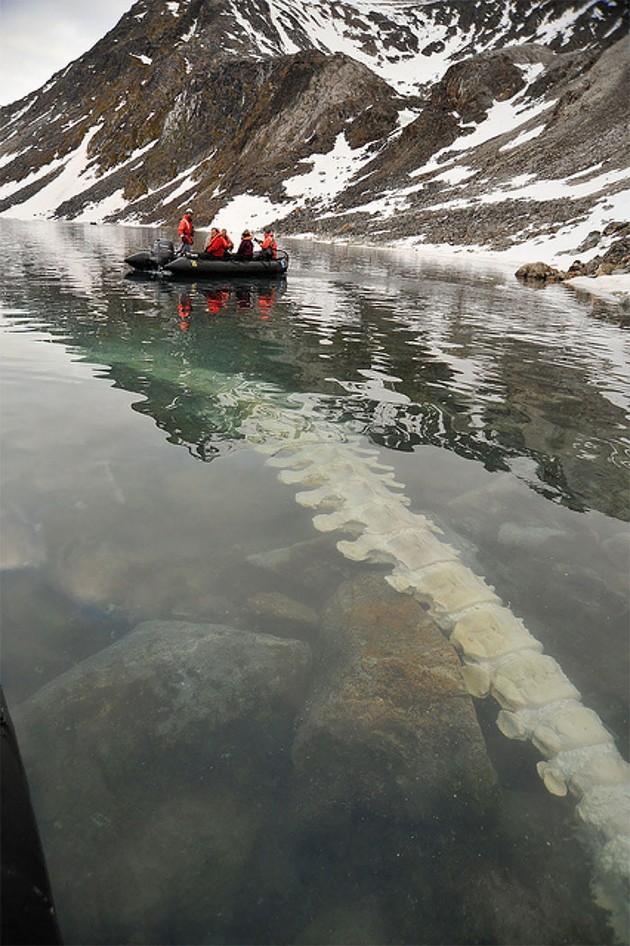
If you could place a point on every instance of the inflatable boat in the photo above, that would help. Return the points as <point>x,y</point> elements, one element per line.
<point>162,260</point>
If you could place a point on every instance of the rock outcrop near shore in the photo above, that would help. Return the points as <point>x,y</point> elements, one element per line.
<point>613,261</point>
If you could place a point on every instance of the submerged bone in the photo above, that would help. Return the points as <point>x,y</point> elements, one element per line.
<point>553,779</point>
<point>384,521</point>
<point>566,724</point>
<point>309,476</point>
<point>329,522</point>
<point>605,810</point>
<point>364,549</point>
<point>405,580</point>
<point>531,679</point>
<point>478,680</point>
<point>489,631</point>
<point>322,497</point>
<point>520,724</point>
<point>582,770</point>
<point>419,550</point>
<point>370,518</point>
<point>296,457</point>
<point>572,727</point>
<point>405,543</point>
<point>499,655</point>
<point>377,501</point>
<point>387,519</point>
<point>453,588</point>
<point>333,468</point>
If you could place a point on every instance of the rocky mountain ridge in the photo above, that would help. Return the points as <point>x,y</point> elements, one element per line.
<point>444,122</point>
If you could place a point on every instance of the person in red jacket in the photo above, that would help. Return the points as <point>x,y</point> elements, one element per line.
<point>186,231</point>
<point>269,247</point>
<point>216,246</point>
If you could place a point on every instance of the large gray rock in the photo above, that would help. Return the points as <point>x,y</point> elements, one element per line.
<point>314,567</point>
<point>390,728</point>
<point>282,616</point>
<point>154,765</point>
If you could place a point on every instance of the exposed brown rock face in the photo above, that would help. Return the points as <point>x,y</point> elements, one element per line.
<point>590,95</point>
<point>540,272</point>
<point>306,101</point>
<point>472,87</point>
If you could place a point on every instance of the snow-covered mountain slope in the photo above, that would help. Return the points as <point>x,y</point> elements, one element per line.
<point>440,121</point>
<point>411,44</point>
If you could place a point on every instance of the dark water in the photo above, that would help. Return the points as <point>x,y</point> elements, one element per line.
<point>503,410</point>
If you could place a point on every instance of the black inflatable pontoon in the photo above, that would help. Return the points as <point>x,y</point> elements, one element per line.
<point>28,914</point>
<point>163,261</point>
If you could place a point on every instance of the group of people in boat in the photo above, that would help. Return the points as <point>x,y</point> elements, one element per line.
<point>220,246</point>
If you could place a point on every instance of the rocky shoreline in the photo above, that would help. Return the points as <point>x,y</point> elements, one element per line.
<point>613,261</point>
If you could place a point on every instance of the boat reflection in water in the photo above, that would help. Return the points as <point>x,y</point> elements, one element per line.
<point>260,298</point>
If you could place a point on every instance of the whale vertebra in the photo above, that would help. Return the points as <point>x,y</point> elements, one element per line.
<point>359,495</point>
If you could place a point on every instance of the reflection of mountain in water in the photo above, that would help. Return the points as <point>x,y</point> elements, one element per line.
<point>409,357</point>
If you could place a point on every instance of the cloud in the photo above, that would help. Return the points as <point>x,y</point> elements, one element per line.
<point>39,37</point>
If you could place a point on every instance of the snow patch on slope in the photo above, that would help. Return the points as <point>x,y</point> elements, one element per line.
<point>330,173</point>
<point>59,189</point>
<point>75,167</point>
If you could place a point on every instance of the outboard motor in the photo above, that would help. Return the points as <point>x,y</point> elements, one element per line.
<point>163,251</point>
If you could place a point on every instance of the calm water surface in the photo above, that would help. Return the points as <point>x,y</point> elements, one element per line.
<point>132,491</point>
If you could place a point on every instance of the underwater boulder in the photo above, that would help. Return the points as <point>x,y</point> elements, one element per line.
<point>390,727</point>
<point>311,566</point>
<point>154,765</point>
<point>283,616</point>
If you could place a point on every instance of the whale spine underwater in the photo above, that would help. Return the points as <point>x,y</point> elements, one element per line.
<point>353,492</point>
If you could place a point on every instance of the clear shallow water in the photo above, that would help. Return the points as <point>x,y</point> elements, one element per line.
<point>502,410</point>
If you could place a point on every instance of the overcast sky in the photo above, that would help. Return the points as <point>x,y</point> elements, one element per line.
<point>38,37</point>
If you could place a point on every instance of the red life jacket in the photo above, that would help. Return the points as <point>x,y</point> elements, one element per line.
<point>217,246</point>
<point>269,243</point>
<point>186,230</point>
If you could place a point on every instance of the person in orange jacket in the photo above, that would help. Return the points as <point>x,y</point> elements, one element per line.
<point>269,247</point>
<point>186,231</point>
<point>229,245</point>
<point>216,245</point>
